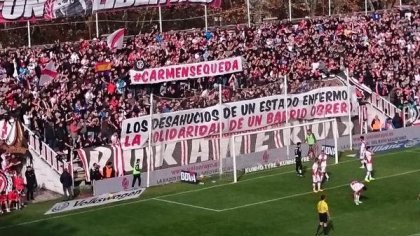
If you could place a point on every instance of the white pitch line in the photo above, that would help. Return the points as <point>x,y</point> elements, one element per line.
<point>418,152</point>
<point>167,195</point>
<point>72,214</point>
<point>251,179</point>
<point>186,205</point>
<point>259,177</point>
<point>307,193</point>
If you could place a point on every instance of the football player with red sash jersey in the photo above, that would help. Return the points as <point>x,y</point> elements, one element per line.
<point>357,188</point>
<point>323,158</point>
<point>369,164</point>
<point>316,176</point>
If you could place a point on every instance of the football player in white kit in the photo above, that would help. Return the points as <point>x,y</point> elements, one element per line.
<point>323,167</point>
<point>316,177</point>
<point>362,151</point>
<point>369,164</point>
<point>357,188</point>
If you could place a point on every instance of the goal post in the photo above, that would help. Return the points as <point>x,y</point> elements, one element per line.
<point>271,146</point>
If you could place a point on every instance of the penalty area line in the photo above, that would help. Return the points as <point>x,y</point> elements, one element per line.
<point>307,193</point>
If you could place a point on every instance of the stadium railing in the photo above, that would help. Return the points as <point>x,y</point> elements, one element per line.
<point>45,152</point>
<point>379,102</point>
<point>227,26</point>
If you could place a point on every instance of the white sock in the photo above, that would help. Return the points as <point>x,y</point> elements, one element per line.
<point>326,175</point>
<point>367,175</point>
<point>319,185</point>
<point>314,186</point>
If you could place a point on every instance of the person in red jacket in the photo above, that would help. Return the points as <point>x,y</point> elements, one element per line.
<point>4,202</point>
<point>14,199</point>
<point>19,183</point>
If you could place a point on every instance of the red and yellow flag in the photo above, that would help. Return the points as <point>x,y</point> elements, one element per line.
<point>103,66</point>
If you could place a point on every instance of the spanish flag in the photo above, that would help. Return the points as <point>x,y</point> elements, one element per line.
<point>103,66</point>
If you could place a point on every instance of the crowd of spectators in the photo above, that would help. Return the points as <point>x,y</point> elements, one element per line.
<point>81,108</point>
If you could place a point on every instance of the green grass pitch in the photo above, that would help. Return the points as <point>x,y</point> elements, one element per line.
<point>274,202</point>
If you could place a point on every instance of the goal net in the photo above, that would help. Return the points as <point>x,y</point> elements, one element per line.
<point>272,148</point>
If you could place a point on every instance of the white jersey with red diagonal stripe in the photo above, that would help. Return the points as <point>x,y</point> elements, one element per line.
<point>356,186</point>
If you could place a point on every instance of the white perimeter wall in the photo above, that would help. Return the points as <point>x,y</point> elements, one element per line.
<point>46,176</point>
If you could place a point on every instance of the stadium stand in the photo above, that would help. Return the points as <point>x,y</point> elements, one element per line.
<point>82,108</point>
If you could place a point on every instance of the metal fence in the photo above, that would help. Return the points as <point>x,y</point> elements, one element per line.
<point>17,34</point>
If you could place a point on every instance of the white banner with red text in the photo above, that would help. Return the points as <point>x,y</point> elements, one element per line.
<point>236,117</point>
<point>186,71</point>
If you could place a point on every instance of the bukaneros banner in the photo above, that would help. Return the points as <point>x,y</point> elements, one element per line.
<point>236,117</point>
<point>254,151</point>
<point>186,71</point>
<point>113,153</point>
<point>23,10</point>
<point>166,161</point>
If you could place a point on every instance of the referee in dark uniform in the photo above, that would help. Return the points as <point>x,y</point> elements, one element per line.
<point>298,160</point>
<point>323,214</point>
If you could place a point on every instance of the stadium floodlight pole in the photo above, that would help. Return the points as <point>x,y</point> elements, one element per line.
<point>287,116</point>
<point>97,25</point>
<point>248,12</point>
<point>233,151</point>
<point>160,19</point>
<point>205,17</point>
<point>29,33</point>
<point>220,130</point>
<point>71,168</point>
<point>150,154</point>
<point>349,109</point>
<point>335,136</point>
<point>366,7</point>
<point>290,10</point>
<point>404,117</point>
<point>329,7</point>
